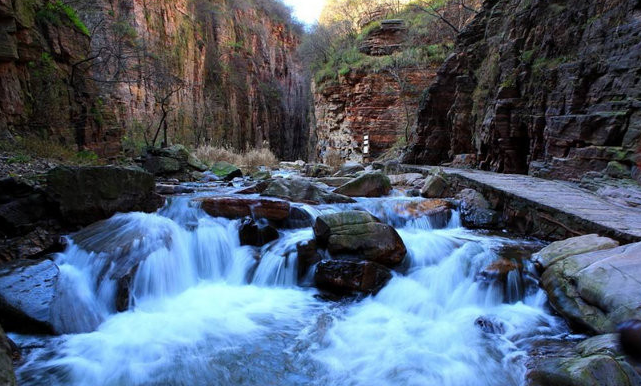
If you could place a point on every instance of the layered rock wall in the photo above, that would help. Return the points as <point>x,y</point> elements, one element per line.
<point>546,87</point>
<point>225,72</point>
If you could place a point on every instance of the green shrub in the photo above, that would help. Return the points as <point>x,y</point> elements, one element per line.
<point>58,13</point>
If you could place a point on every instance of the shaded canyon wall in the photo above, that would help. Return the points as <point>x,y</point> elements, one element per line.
<point>552,88</point>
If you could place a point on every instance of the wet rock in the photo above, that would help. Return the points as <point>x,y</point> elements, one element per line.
<point>490,324</point>
<point>27,291</point>
<point>499,269</point>
<point>435,186</point>
<point>256,188</point>
<point>261,175</point>
<point>236,207</point>
<point>476,211</point>
<point>298,218</point>
<point>298,165</point>
<point>166,189</point>
<point>225,170</point>
<point>256,234</point>
<point>87,194</point>
<point>349,169</point>
<point>175,161</point>
<point>630,338</point>
<point>334,181</point>
<point>301,190</point>
<point>124,286</point>
<point>7,375</point>
<point>595,361</point>
<point>437,210</point>
<point>598,290</point>
<point>406,179</point>
<point>345,276</point>
<point>318,170</point>
<point>359,234</point>
<point>373,184</point>
<point>559,250</point>
<point>308,255</point>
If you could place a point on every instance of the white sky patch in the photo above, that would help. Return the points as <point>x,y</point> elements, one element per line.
<point>307,11</point>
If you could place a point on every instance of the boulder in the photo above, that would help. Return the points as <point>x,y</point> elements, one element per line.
<point>406,179</point>
<point>255,189</point>
<point>373,184</point>
<point>175,161</point>
<point>346,276</point>
<point>27,292</point>
<point>422,208</point>
<point>476,211</point>
<point>595,361</point>
<point>87,194</point>
<point>7,375</point>
<point>630,338</point>
<point>225,170</point>
<point>318,170</point>
<point>334,181</point>
<point>559,250</point>
<point>301,190</point>
<point>308,255</point>
<point>236,207</point>
<point>359,234</point>
<point>349,169</point>
<point>297,165</point>
<point>256,234</point>
<point>598,290</point>
<point>435,186</point>
<point>261,175</point>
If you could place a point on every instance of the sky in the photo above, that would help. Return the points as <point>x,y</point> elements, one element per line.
<point>307,11</point>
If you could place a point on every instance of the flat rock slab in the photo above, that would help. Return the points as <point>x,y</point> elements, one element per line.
<point>550,204</point>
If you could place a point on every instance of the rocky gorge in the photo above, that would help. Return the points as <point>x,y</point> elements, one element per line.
<point>448,193</point>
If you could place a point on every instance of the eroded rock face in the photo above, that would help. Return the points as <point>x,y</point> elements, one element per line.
<point>373,184</point>
<point>523,90</point>
<point>359,234</point>
<point>301,190</point>
<point>597,290</point>
<point>27,292</point>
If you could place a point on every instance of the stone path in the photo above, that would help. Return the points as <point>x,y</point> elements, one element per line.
<point>556,202</point>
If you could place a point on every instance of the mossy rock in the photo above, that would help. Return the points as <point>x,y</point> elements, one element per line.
<point>261,175</point>
<point>225,170</point>
<point>373,184</point>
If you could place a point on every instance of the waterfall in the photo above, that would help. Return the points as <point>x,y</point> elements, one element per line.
<point>202,309</point>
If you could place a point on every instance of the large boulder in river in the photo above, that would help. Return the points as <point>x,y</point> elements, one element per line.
<point>7,375</point>
<point>238,207</point>
<point>172,162</point>
<point>347,276</point>
<point>88,194</point>
<point>597,290</point>
<point>476,211</point>
<point>559,250</point>
<point>596,361</point>
<point>318,170</point>
<point>27,292</point>
<point>256,233</point>
<point>301,190</point>
<point>435,186</point>
<point>373,184</point>
<point>359,234</point>
<point>226,171</point>
<point>349,169</point>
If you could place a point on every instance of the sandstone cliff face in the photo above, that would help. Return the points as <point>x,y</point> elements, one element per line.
<point>546,87</point>
<point>379,103</point>
<point>225,72</point>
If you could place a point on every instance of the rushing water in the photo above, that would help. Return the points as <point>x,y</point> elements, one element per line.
<point>206,311</point>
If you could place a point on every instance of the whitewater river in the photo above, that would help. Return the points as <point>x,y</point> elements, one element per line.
<point>205,312</point>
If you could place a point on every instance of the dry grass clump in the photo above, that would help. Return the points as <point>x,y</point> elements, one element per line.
<point>333,158</point>
<point>250,159</point>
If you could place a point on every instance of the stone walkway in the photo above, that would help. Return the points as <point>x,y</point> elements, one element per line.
<point>555,202</point>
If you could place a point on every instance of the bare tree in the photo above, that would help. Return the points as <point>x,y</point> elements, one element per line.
<point>455,13</point>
